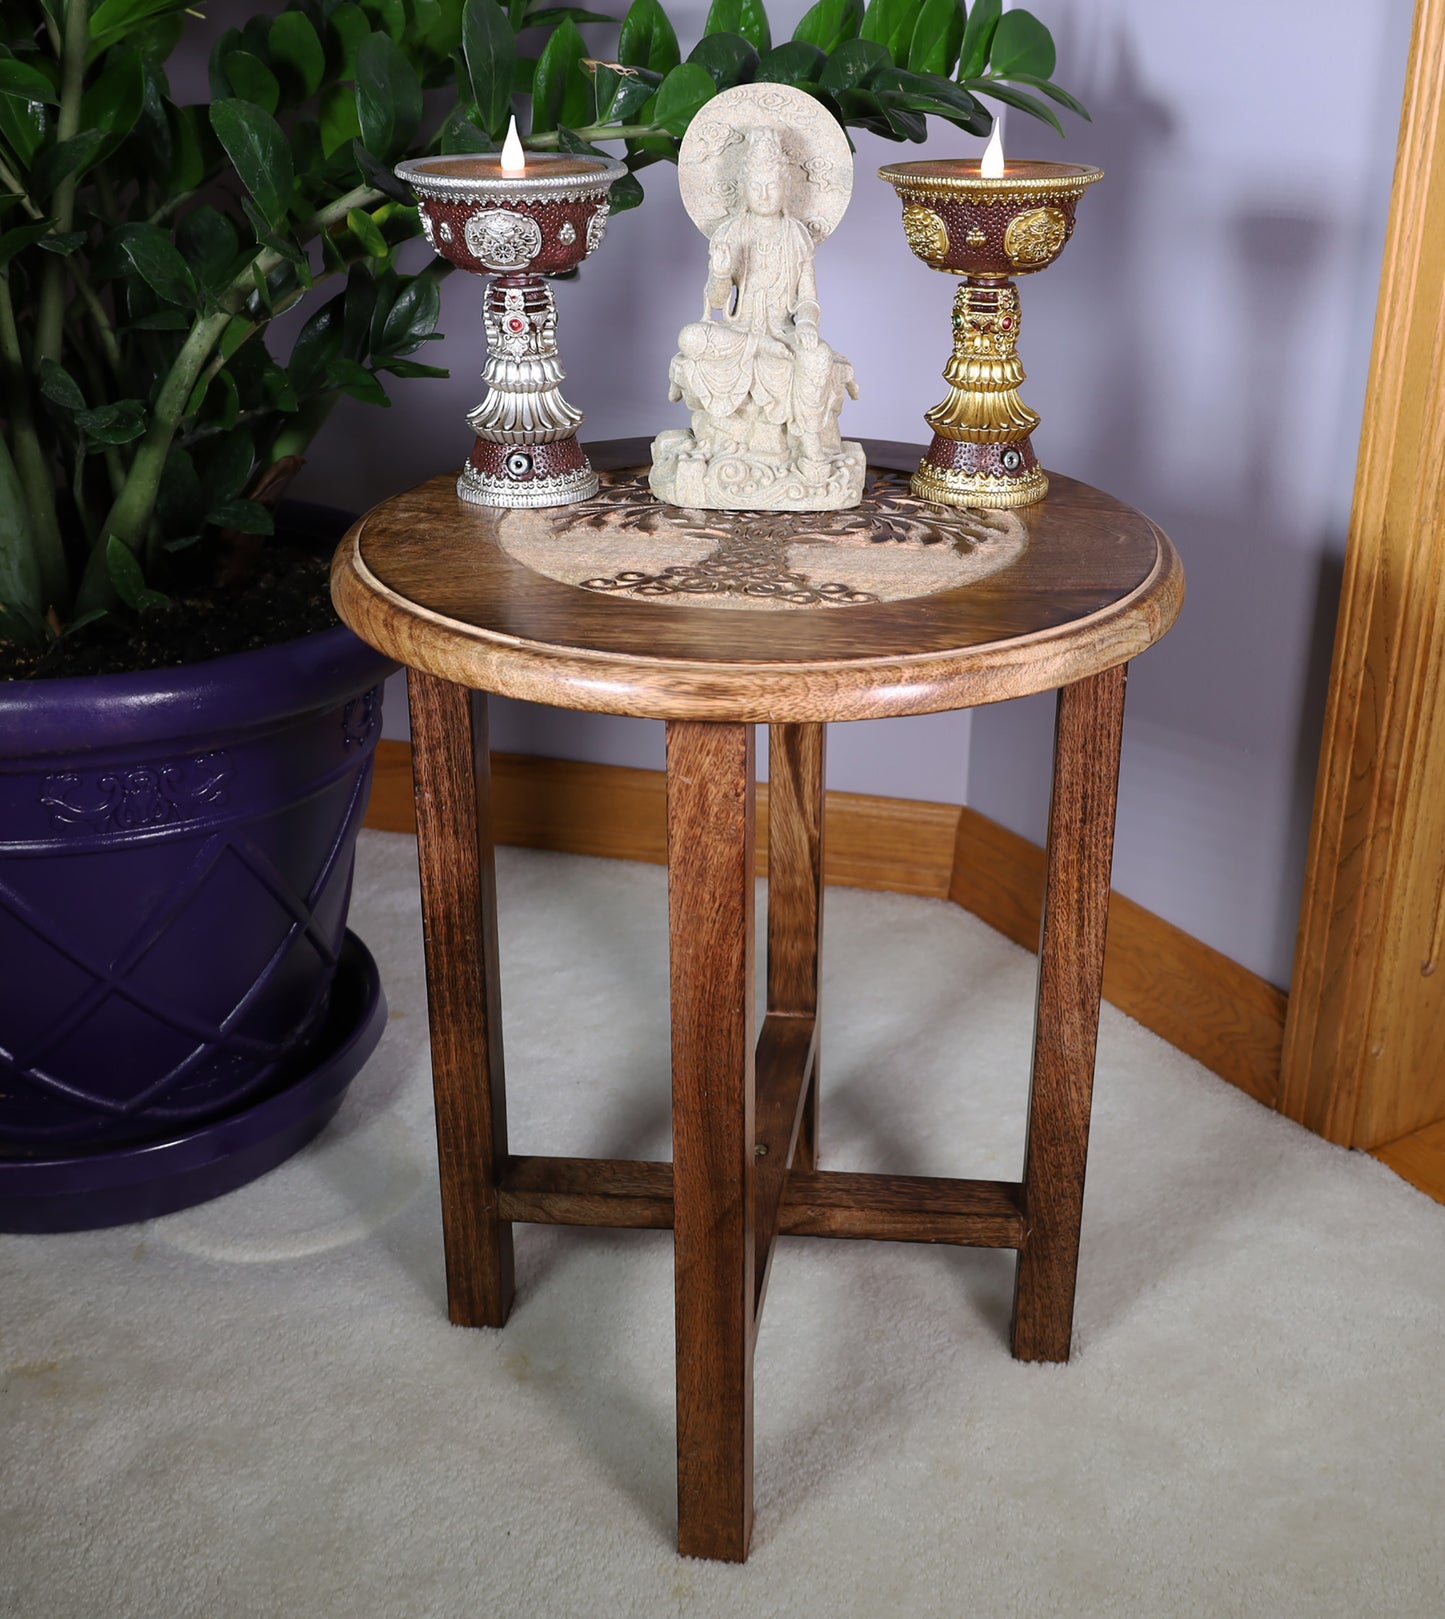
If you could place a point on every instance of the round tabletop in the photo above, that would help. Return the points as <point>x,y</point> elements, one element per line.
<point>622,605</point>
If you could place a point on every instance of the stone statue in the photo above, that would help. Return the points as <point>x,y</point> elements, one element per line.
<point>766,174</point>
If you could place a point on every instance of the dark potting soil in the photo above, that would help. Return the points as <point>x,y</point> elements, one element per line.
<point>285,594</point>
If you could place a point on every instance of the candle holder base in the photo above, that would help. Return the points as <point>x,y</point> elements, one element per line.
<point>552,474</point>
<point>996,476</point>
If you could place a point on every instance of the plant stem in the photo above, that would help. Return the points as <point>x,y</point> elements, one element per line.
<point>130,516</point>
<point>13,183</point>
<point>67,123</point>
<point>596,132</point>
<point>30,463</point>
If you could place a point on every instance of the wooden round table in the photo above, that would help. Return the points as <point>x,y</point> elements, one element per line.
<point>716,622</point>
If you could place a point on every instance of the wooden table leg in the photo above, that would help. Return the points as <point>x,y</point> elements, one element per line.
<point>1071,975</point>
<point>795,893</point>
<point>459,919</point>
<point>710,792</point>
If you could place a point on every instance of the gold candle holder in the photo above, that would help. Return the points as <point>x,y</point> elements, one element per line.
<point>985,230</point>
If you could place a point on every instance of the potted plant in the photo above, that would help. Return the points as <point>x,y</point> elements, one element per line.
<point>185,730</point>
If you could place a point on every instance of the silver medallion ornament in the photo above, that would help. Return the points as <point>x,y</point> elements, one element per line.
<point>503,239</point>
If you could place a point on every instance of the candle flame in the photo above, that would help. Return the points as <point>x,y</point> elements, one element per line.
<point>514,159</point>
<point>991,168</point>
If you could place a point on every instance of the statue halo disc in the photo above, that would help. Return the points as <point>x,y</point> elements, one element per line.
<point>819,171</point>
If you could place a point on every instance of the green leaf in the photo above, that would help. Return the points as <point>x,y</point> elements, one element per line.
<point>349,29</point>
<point>490,48</point>
<point>317,343</point>
<point>460,134</point>
<point>23,236</point>
<point>1054,93</point>
<point>410,368</point>
<point>1017,98</point>
<point>937,35</point>
<point>63,243</point>
<point>685,91</point>
<point>561,93</point>
<point>550,15</point>
<point>294,43</point>
<point>854,63</point>
<point>647,38</point>
<point>978,38</point>
<point>410,319</point>
<point>353,378</point>
<point>227,471</point>
<point>168,319</point>
<point>160,265</point>
<point>244,516</point>
<point>72,157</point>
<point>729,59</point>
<point>830,23</point>
<point>112,20</point>
<point>388,98</point>
<point>380,176</point>
<point>365,229</point>
<point>622,91</point>
<point>260,154</point>
<point>23,124</point>
<point>626,193</point>
<point>248,78</point>
<point>128,579</point>
<point>113,424</point>
<point>1021,44</point>
<point>114,101</point>
<point>890,23</point>
<point>745,17</point>
<point>59,387</point>
<point>25,83</point>
<point>796,62</point>
<point>340,124</point>
<point>208,243</point>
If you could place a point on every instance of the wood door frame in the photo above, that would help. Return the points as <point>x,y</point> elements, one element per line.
<point>1367,1005</point>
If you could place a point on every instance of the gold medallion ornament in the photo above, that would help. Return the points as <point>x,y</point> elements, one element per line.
<point>1035,237</point>
<point>927,234</point>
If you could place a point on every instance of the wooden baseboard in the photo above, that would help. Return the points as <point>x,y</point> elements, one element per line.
<point>1218,1012</point>
<point>889,843</point>
<point>1419,1158</point>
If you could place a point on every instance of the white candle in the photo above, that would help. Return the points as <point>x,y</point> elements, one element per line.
<point>514,159</point>
<point>991,167</point>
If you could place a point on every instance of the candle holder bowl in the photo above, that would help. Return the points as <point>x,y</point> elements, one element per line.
<point>518,227</point>
<point>985,230</point>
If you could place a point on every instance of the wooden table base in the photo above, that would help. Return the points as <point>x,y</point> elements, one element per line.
<point>744,1167</point>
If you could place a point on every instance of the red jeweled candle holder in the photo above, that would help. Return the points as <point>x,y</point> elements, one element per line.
<point>519,226</point>
<point>986,230</point>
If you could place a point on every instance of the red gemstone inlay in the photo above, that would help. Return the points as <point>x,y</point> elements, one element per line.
<point>516,325</point>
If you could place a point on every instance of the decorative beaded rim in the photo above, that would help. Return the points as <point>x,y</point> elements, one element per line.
<point>1027,178</point>
<point>427,180</point>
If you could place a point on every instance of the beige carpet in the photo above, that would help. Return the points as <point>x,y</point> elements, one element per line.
<point>258,1408</point>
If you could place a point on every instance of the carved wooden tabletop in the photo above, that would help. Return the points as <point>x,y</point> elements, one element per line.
<point>622,605</point>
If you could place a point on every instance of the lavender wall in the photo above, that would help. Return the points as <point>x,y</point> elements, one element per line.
<point>1201,350</point>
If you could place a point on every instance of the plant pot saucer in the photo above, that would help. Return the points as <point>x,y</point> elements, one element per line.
<point>140,1182</point>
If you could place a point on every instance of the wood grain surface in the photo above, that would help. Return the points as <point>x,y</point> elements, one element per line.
<point>459,927</point>
<point>710,780</point>
<point>822,1203</point>
<point>1088,735</point>
<point>795,862</point>
<point>1362,1061</point>
<point>423,578</point>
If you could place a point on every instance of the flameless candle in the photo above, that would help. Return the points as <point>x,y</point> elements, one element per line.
<point>518,216</point>
<point>985,227</point>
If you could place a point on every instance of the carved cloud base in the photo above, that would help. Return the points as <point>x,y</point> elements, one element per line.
<point>683,474</point>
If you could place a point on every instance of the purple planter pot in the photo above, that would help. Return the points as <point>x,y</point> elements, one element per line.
<point>176,853</point>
